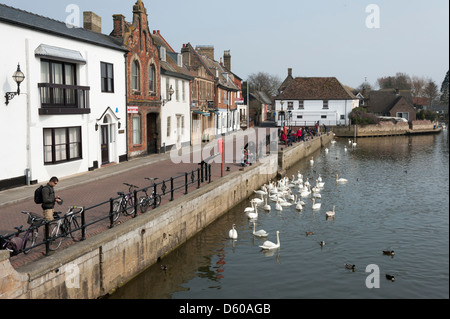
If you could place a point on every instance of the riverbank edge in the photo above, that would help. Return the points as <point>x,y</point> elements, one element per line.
<point>99,265</point>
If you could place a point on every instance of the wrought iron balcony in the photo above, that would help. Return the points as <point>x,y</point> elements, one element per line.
<point>64,99</point>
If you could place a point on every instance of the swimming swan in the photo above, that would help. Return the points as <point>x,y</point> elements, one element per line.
<point>330,213</point>
<point>315,206</point>
<point>340,180</point>
<point>269,245</point>
<point>259,233</point>
<point>233,232</point>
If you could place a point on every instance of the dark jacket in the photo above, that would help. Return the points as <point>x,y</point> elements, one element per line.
<point>48,197</point>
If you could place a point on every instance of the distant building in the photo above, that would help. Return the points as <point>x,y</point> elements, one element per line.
<point>306,100</point>
<point>392,102</point>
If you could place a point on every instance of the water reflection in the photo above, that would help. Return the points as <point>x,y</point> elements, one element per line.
<point>396,199</point>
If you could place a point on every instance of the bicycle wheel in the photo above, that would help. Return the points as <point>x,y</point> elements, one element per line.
<point>29,240</point>
<point>116,209</point>
<point>55,236</point>
<point>75,228</point>
<point>157,200</point>
<point>143,203</point>
<point>129,209</point>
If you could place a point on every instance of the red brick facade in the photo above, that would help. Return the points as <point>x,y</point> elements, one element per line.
<point>143,90</point>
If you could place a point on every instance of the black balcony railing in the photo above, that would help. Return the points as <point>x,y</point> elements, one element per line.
<point>63,99</point>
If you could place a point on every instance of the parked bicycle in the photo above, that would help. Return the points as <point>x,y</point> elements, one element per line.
<point>147,200</point>
<point>67,225</point>
<point>17,244</point>
<point>125,204</point>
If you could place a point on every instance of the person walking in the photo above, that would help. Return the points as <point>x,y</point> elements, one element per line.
<point>49,199</point>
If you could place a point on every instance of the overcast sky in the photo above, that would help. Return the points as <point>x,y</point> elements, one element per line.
<point>349,39</point>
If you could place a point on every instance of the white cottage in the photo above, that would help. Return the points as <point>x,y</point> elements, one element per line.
<point>307,100</point>
<point>71,112</point>
<point>175,95</point>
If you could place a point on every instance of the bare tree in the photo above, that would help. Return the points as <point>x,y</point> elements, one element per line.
<point>418,86</point>
<point>265,82</point>
<point>431,93</point>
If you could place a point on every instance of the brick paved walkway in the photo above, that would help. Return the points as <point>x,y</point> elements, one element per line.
<point>91,188</point>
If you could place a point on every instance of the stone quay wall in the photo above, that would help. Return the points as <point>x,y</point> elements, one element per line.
<point>98,265</point>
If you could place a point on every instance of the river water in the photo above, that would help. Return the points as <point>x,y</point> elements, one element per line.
<point>396,198</point>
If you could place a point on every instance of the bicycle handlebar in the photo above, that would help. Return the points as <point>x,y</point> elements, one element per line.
<point>151,178</point>
<point>131,185</point>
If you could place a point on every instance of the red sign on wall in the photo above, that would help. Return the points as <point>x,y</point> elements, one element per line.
<point>133,109</point>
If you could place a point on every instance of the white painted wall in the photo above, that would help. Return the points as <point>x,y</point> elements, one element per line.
<point>21,126</point>
<point>313,111</point>
<point>175,108</point>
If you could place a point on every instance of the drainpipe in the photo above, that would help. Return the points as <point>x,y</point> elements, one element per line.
<point>28,115</point>
<point>126,105</point>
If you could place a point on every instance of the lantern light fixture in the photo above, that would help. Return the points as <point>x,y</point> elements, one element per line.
<point>18,77</point>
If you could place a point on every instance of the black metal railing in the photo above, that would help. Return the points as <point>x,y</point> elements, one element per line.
<point>166,189</point>
<point>64,99</point>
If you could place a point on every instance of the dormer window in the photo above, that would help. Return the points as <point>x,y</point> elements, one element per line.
<point>180,60</point>
<point>162,53</point>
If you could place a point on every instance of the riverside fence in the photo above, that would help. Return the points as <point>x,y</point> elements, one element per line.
<point>93,216</point>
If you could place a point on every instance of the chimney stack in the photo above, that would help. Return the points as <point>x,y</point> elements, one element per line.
<point>207,50</point>
<point>290,72</point>
<point>227,59</point>
<point>119,26</point>
<point>92,22</point>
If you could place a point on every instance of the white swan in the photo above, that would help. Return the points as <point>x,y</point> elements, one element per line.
<point>345,148</point>
<point>330,213</point>
<point>311,161</point>
<point>233,232</point>
<point>250,209</point>
<point>315,206</point>
<point>267,206</point>
<point>326,150</point>
<point>269,245</point>
<point>278,206</point>
<point>340,180</point>
<point>354,144</point>
<point>259,233</point>
<point>253,215</point>
<point>305,192</point>
<point>298,205</point>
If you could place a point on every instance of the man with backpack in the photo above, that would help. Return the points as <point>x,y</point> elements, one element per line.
<point>48,198</point>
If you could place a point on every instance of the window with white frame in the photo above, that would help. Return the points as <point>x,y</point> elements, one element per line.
<point>135,76</point>
<point>151,78</point>
<point>136,134</point>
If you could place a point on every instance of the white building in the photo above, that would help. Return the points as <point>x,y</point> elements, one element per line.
<point>175,96</point>
<point>307,100</point>
<point>70,115</point>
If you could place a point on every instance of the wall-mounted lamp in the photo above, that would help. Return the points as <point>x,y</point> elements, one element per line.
<point>171,92</point>
<point>119,125</point>
<point>96,126</point>
<point>18,76</point>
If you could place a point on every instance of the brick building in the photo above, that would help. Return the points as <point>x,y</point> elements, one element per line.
<point>143,82</point>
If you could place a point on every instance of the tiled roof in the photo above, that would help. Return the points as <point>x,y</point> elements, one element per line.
<point>39,23</point>
<point>170,66</point>
<point>315,88</point>
<point>382,101</point>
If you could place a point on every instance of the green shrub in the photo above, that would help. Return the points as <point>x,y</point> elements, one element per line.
<point>360,116</point>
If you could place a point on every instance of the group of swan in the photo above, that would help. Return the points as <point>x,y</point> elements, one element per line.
<point>281,194</point>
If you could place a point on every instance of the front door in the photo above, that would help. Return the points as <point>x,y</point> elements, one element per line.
<point>105,144</point>
<point>152,133</point>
